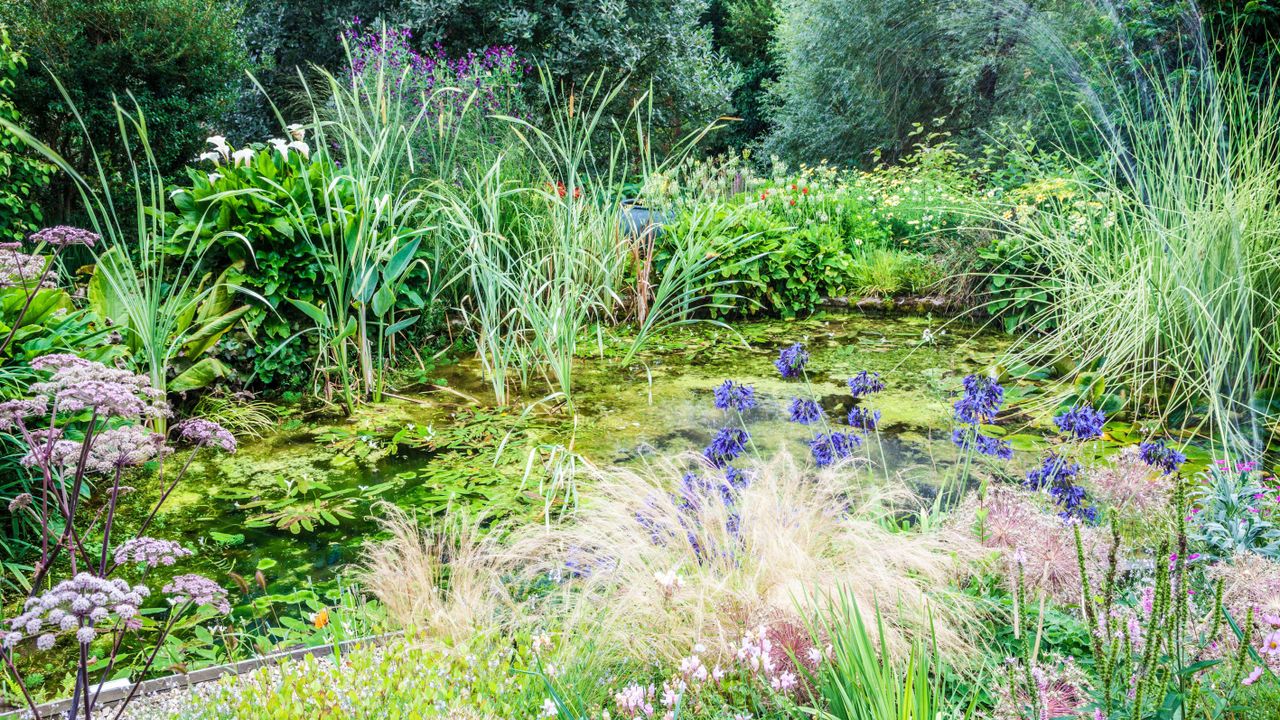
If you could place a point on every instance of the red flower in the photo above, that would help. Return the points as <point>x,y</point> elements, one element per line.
<point>804,191</point>
<point>793,202</point>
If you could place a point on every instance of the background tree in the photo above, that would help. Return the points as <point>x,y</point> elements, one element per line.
<point>22,174</point>
<point>182,61</point>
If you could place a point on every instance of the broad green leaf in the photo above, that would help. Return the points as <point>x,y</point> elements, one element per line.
<point>199,375</point>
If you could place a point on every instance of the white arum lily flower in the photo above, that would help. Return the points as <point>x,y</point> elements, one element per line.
<point>211,156</point>
<point>243,156</point>
<point>296,131</point>
<point>219,143</point>
<point>281,146</point>
<point>214,177</point>
<point>301,147</point>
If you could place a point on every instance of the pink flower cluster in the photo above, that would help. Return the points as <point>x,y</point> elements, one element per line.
<point>18,269</point>
<point>206,433</point>
<point>1041,543</point>
<point>77,384</point>
<point>109,451</point>
<point>80,605</point>
<point>757,654</point>
<point>1130,485</point>
<point>61,236</point>
<point>198,590</point>
<point>149,551</point>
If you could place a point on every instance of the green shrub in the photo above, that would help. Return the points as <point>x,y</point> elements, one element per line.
<point>179,60</point>
<point>777,269</point>
<point>244,213</point>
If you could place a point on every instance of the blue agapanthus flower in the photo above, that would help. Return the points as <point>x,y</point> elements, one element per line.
<point>1053,471</point>
<point>967,438</point>
<point>865,383</point>
<point>791,361</point>
<point>982,399</point>
<point>693,488</point>
<point>864,419</point>
<point>727,444</point>
<point>1081,422</point>
<point>827,449</point>
<point>1057,476</point>
<point>734,480</point>
<point>1157,455</point>
<point>805,411</point>
<point>735,396</point>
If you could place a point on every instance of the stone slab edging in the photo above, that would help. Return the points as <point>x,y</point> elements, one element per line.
<point>117,690</point>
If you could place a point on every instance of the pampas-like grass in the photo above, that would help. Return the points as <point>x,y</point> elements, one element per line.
<point>654,571</point>
<point>443,579</point>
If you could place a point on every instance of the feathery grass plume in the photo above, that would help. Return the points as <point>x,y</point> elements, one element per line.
<point>443,579</point>
<point>662,569</point>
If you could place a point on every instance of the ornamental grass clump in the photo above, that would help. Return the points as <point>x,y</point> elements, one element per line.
<point>1160,270</point>
<point>443,579</point>
<point>653,573</point>
<point>82,428</point>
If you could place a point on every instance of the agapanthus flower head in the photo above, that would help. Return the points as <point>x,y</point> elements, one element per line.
<point>1156,454</point>
<point>967,438</point>
<point>206,433</point>
<point>728,444</point>
<point>864,419</point>
<point>1057,475</point>
<point>829,448</point>
<point>735,396</point>
<point>805,411</point>
<point>791,361</point>
<point>865,383</point>
<point>149,551</point>
<point>1081,422</point>
<point>61,236</point>
<point>981,400</point>
<point>198,590</point>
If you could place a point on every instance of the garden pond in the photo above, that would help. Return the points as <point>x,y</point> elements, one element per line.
<point>293,509</point>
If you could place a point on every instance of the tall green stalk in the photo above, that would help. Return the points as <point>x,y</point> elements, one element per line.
<point>1164,262</point>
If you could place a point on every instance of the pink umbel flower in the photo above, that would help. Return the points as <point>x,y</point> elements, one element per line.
<point>198,590</point>
<point>206,433</point>
<point>61,236</point>
<point>78,605</point>
<point>149,551</point>
<point>77,384</point>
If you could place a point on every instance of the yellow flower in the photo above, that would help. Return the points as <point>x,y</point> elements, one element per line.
<point>320,619</point>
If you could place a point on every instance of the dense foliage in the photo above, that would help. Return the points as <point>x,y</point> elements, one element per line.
<point>180,60</point>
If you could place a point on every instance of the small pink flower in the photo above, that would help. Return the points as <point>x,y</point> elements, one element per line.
<point>1253,677</point>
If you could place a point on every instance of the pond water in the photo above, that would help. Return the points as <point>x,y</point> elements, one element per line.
<point>297,505</point>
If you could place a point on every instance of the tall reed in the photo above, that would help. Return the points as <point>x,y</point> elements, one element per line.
<point>1164,262</point>
<point>361,222</point>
